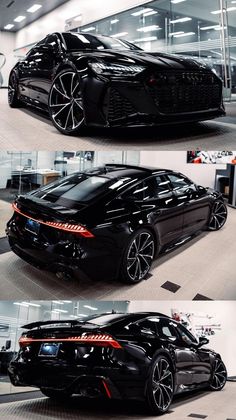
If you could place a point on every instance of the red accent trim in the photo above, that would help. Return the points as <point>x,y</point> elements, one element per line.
<point>106,388</point>
<point>68,227</point>
<point>95,339</point>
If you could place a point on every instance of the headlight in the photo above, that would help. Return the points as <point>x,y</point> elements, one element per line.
<point>111,69</point>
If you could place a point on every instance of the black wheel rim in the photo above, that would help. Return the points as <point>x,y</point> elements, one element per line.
<point>219,376</point>
<point>140,256</point>
<point>218,216</point>
<point>11,88</point>
<point>65,102</point>
<point>162,384</point>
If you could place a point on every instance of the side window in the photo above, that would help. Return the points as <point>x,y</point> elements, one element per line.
<point>179,181</point>
<point>186,335</point>
<point>167,329</point>
<point>156,187</point>
<point>149,326</point>
<point>53,41</point>
<point>135,193</point>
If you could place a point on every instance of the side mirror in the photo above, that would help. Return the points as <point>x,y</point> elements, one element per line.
<point>203,341</point>
<point>201,188</point>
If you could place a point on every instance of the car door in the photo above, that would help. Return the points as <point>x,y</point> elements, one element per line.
<point>180,350</point>
<point>26,74</point>
<point>201,368</point>
<point>193,200</point>
<point>43,61</point>
<point>160,207</point>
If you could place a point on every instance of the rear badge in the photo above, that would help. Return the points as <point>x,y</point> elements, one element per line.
<point>32,226</point>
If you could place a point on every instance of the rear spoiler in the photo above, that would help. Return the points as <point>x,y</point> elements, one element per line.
<point>52,322</point>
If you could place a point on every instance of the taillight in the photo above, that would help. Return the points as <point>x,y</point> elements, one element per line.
<point>68,227</point>
<point>103,340</point>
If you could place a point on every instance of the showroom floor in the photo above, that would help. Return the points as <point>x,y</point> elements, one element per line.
<point>203,268</point>
<point>201,405</point>
<point>24,129</point>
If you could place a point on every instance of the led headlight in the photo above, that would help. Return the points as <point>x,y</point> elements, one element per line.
<point>112,69</point>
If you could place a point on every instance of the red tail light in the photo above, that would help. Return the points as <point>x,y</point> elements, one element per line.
<point>68,227</point>
<point>103,340</point>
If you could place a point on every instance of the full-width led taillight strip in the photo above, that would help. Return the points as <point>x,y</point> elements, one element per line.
<point>96,339</point>
<point>68,227</point>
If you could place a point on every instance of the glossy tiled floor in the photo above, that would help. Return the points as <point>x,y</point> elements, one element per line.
<point>24,129</point>
<point>209,405</point>
<point>204,266</point>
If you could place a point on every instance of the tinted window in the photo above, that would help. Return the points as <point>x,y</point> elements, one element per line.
<point>155,187</point>
<point>85,41</point>
<point>148,326</point>
<point>167,329</point>
<point>136,192</point>
<point>186,335</point>
<point>179,181</point>
<point>76,188</point>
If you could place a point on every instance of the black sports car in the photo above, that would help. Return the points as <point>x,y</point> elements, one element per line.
<point>87,80</point>
<point>145,356</point>
<point>111,221</point>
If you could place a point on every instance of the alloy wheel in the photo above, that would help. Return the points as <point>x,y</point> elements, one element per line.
<point>162,384</point>
<point>219,375</point>
<point>65,102</point>
<point>140,256</point>
<point>12,86</point>
<point>218,216</point>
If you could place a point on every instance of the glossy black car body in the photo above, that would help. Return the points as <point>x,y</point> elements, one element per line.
<point>145,356</point>
<point>125,215</point>
<point>87,80</point>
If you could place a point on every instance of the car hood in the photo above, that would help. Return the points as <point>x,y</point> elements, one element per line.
<point>161,60</point>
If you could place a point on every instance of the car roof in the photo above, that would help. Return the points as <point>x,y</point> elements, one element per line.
<point>112,170</point>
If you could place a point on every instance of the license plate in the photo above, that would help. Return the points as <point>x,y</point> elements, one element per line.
<point>32,226</point>
<point>49,349</point>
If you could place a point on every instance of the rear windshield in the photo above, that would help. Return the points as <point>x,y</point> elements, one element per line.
<point>80,41</point>
<point>79,188</point>
<point>102,319</point>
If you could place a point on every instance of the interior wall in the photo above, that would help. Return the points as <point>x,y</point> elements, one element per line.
<point>225,311</point>
<point>91,10</point>
<point>7,45</point>
<point>201,174</point>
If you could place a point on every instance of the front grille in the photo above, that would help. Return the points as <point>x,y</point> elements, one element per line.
<point>178,92</point>
<point>119,106</point>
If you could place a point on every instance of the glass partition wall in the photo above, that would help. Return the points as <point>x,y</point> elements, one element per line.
<point>15,314</point>
<point>204,30</point>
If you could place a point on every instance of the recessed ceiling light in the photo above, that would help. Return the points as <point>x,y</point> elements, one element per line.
<point>114,21</point>
<point>119,35</point>
<point>206,28</point>
<point>91,28</point>
<point>184,34</point>
<point>177,1</point>
<point>34,8</point>
<point>152,12</point>
<point>149,28</point>
<point>146,39</point>
<point>19,18</point>
<point>180,20</point>
<point>9,26</point>
<point>90,307</point>
<point>176,33</point>
<point>218,12</point>
<point>142,12</point>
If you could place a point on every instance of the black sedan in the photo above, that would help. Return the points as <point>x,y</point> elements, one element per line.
<point>86,80</point>
<point>111,221</point>
<point>145,356</point>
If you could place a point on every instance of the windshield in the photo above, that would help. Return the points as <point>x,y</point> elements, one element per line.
<point>75,41</point>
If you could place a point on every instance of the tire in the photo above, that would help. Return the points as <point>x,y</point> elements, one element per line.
<point>65,103</point>
<point>218,216</point>
<point>160,392</point>
<point>55,394</point>
<point>219,376</point>
<point>135,265</point>
<point>13,100</point>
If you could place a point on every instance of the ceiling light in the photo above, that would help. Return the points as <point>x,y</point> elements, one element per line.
<point>58,302</point>
<point>142,12</point>
<point>119,35</point>
<point>19,18</point>
<point>9,26</point>
<point>184,34</point>
<point>152,12</point>
<point>181,20</point>
<point>34,8</point>
<point>26,305</point>
<point>218,12</point>
<point>67,301</point>
<point>36,305</point>
<point>90,307</point>
<point>206,28</point>
<point>73,316</point>
<point>176,33</point>
<point>146,39</point>
<point>60,311</point>
<point>149,28</point>
<point>91,28</point>
<point>114,21</point>
<point>177,1</point>
<point>82,316</point>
